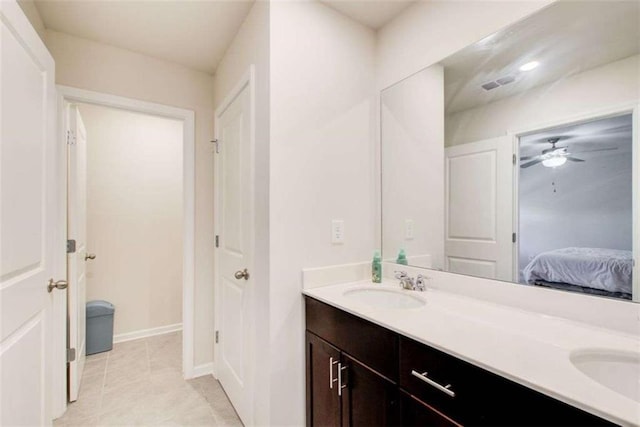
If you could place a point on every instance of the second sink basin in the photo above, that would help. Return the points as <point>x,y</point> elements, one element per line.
<point>385,298</point>
<point>616,370</point>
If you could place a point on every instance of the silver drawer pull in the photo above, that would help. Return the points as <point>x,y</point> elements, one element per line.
<point>332,380</point>
<point>446,389</point>
<point>341,384</point>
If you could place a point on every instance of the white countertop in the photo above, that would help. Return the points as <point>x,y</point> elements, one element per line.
<point>529,348</point>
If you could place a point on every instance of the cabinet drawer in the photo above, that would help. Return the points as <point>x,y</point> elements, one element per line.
<point>442,381</point>
<point>417,413</point>
<point>478,397</point>
<point>372,345</point>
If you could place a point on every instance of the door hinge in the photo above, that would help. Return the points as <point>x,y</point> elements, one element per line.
<point>71,137</point>
<point>217,144</point>
<point>217,337</point>
<point>513,237</point>
<point>515,159</point>
<point>71,354</point>
<point>217,241</point>
<point>71,246</point>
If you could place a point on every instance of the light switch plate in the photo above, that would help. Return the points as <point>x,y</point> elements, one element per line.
<point>337,231</point>
<point>409,227</point>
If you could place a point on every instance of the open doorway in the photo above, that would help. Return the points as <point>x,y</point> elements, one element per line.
<point>139,210</point>
<point>575,210</point>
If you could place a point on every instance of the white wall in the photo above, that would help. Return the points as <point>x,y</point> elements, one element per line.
<point>429,31</point>
<point>94,66</point>
<point>134,216</point>
<point>610,85</point>
<point>251,46</point>
<point>412,128</point>
<point>322,168</point>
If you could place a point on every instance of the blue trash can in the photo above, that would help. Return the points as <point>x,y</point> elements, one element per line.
<point>99,326</point>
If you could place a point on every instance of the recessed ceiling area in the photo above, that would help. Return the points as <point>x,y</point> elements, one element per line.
<point>371,13</point>
<point>195,34</point>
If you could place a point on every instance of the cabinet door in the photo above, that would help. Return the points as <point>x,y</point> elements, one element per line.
<point>323,402</point>
<point>368,399</point>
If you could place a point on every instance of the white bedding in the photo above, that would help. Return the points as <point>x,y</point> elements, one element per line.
<point>606,269</point>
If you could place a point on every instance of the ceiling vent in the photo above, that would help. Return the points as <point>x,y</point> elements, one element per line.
<point>502,81</point>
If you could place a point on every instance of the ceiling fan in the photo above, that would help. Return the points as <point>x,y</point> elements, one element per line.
<point>556,156</point>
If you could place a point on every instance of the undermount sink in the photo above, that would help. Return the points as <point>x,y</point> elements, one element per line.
<point>616,370</point>
<point>385,298</point>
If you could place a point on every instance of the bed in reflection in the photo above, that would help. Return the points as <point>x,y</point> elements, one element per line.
<point>597,271</point>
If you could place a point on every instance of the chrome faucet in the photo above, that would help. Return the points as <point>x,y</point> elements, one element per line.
<point>409,283</point>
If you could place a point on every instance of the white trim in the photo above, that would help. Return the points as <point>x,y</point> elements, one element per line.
<point>145,333</point>
<point>202,370</point>
<point>247,80</point>
<point>71,94</point>
<point>596,114</point>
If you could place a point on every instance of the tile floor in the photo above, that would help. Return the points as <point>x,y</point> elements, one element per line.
<point>140,383</point>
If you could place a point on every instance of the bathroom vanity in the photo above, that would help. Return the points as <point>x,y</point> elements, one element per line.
<point>414,358</point>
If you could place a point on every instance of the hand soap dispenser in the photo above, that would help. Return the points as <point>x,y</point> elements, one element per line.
<point>402,258</point>
<point>376,268</point>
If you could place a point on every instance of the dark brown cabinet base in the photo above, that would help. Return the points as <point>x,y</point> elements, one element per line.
<point>361,374</point>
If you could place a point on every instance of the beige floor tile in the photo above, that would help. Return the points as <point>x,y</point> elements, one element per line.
<point>86,406</point>
<point>85,422</point>
<point>98,356</point>
<point>95,367</point>
<point>91,384</point>
<point>140,383</point>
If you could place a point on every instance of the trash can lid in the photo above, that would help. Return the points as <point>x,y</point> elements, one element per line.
<point>99,308</point>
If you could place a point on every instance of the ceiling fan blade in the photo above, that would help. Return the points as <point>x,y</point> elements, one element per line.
<point>575,159</point>
<point>528,157</point>
<point>531,163</point>
<point>595,150</point>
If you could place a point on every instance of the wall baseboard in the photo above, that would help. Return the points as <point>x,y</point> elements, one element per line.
<point>202,370</point>
<point>144,333</point>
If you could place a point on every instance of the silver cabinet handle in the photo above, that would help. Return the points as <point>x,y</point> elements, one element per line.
<point>242,274</point>
<point>60,284</point>
<point>332,380</point>
<point>340,384</point>
<point>446,389</point>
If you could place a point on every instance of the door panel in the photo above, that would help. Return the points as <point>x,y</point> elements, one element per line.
<point>27,215</point>
<point>369,399</point>
<point>479,211</point>
<point>77,230</point>
<point>323,404</point>
<point>235,254</point>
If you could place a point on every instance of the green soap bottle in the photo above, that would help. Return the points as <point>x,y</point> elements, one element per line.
<point>376,268</point>
<point>402,258</point>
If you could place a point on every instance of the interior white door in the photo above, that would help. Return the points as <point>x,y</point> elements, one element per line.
<point>76,231</point>
<point>27,220</point>
<point>235,254</point>
<point>479,210</point>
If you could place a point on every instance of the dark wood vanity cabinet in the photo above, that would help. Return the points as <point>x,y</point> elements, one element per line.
<point>361,374</point>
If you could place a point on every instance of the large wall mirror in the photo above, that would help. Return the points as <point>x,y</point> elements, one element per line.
<point>517,157</point>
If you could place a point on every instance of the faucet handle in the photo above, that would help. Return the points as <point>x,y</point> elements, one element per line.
<point>400,275</point>
<point>421,282</point>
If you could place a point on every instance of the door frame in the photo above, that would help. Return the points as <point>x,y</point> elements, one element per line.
<point>71,94</point>
<point>632,108</point>
<point>247,80</point>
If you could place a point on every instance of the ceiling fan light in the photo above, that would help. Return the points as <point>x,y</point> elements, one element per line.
<point>554,162</point>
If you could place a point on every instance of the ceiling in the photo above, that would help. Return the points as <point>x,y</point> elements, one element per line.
<point>372,13</point>
<point>195,34</point>
<point>566,38</point>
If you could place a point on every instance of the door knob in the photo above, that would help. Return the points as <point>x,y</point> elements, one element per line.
<point>244,274</point>
<point>89,256</point>
<point>60,284</point>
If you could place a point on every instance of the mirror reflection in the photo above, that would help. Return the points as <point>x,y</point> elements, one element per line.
<point>514,158</point>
